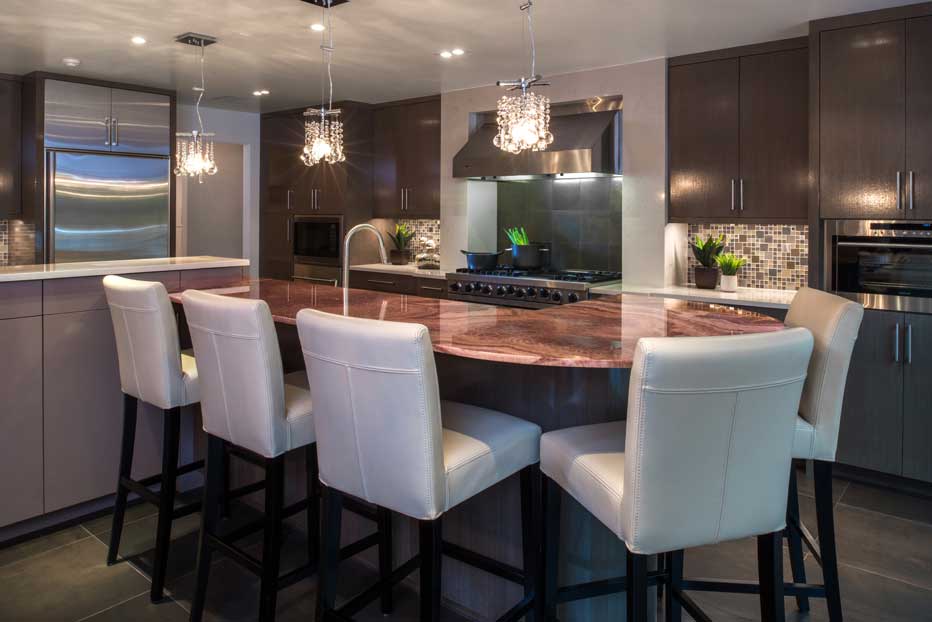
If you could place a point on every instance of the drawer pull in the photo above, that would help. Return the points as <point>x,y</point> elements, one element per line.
<point>378,282</point>
<point>432,289</point>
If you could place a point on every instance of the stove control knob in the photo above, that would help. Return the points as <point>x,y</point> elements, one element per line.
<point>543,292</point>
<point>556,296</point>
<point>477,288</point>
<point>499,291</point>
<point>487,290</point>
<point>510,290</point>
<point>454,287</point>
<point>531,292</point>
<point>467,288</point>
<point>520,292</point>
<point>574,297</point>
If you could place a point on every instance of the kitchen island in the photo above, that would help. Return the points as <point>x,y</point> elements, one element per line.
<point>559,367</point>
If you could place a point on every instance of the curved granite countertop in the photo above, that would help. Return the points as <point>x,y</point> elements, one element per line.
<point>594,333</point>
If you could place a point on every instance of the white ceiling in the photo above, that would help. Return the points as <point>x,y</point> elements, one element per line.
<point>385,49</point>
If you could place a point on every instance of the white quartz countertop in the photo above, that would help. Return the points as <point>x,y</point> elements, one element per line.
<point>410,269</point>
<point>746,296</point>
<point>41,272</point>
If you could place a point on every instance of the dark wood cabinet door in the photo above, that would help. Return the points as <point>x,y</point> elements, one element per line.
<point>704,138</point>
<point>285,180</point>
<point>329,187</point>
<point>421,167</point>
<point>275,245</point>
<point>10,131</point>
<point>774,135</point>
<point>862,120</point>
<point>386,166</point>
<point>871,433</point>
<point>917,398</point>
<point>919,117</point>
<point>383,282</point>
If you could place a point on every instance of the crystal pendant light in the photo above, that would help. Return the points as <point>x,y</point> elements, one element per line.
<point>524,120</point>
<point>194,150</point>
<point>323,130</point>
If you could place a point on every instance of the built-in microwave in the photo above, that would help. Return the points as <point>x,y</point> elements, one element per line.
<point>317,240</point>
<point>885,264</point>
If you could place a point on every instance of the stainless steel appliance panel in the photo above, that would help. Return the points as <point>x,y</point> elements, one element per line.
<point>140,123</point>
<point>77,116</point>
<point>106,207</point>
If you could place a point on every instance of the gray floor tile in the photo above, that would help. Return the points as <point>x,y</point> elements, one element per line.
<point>139,609</point>
<point>137,544</point>
<point>135,512</point>
<point>888,502</point>
<point>806,485</point>
<point>42,544</point>
<point>67,583</point>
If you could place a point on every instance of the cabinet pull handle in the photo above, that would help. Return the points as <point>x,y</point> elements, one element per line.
<point>288,195</point>
<point>108,130</point>
<point>432,289</point>
<point>741,194</point>
<point>115,124</point>
<point>899,190</point>
<point>909,344</point>
<point>896,343</point>
<point>288,229</point>
<point>402,199</point>
<point>318,280</point>
<point>378,282</point>
<point>732,195</point>
<point>912,189</point>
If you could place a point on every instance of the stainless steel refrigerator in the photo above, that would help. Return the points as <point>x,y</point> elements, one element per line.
<point>108,177</point>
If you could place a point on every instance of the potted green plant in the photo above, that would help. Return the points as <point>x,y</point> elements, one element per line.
<point>705,252</point>
<point>730,264</point>
<point>401,254</point>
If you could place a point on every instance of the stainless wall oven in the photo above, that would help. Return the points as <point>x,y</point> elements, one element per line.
<point>884,264</point>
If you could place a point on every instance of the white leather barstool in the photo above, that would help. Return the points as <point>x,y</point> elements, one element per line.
<point>153,370</point>
<point>385,436</point>
<point>708,438</point>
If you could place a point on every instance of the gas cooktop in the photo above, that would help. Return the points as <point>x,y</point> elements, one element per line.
<point>577,276</point>
<point>534,289</point>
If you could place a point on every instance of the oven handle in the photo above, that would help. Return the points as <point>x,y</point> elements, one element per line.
<point>885,245</point>
<point>318,280</point>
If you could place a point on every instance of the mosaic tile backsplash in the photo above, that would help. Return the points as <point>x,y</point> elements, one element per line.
<point>777,254</point>
<point>17,243</point>
<point>424,229</point>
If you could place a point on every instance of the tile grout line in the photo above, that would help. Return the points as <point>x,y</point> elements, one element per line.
<point>883,576</point>
<point>126,600</point>
<point>884,514</point>
<point>55,548</point>
<point>126,560</point>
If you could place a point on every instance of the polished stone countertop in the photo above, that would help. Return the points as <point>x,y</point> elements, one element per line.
<point>746,296</point>
<point>409,269</point>
<point>599,333</point>
<point>41,272</point>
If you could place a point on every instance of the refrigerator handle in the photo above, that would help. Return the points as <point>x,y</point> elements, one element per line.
<point>108,131</point>
<point>115,124</point>
<point>50,201</point>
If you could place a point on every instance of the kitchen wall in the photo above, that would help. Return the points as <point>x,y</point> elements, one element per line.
<point>17,243</point>
<point>777,254</point>
<point>581,218</point>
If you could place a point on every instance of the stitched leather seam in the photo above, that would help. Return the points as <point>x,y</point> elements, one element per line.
<point>223,392</point>
<point>733,389</point>
<point>731,442</point>
<point>469,461</point>
<point>848,309</point>
<point>132,355</point>
<point>347,369</point>
<point>389,370</point>
<point>428,438</point>
<point>641,432</point>
<point>267,373</point>
<point>223,334</point>
<point>599,479</point>
<point>129,308</point>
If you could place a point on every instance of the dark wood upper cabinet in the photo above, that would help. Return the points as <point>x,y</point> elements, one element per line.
<point>406,167</point>
<point>10,147</point>
<point>775,135</point>
<point>919,118</point>
<point>284,178</point>
<point>738,134</point>
<point>862,138</point>
<point>703,139</point>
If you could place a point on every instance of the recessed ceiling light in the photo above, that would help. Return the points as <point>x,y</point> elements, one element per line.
<point>68,61</point>
<point>318,27</point>
<point>138,40</point>
<point>261,92</point>
<point>446,54</point>
<point>458,51</point>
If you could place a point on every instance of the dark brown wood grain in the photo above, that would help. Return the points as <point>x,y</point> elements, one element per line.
<point>767,47</point>
<point>919,116</point>
<point>862,134</point>
<point>10,147</point>
<point>774,135</point>
<point>704,139</point>
<point>917,395</point>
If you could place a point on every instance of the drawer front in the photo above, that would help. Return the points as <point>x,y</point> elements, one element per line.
<point>20,299</point>
<point>211,277</point>
<point>432,288</point>
<point>383,282</point>
<point>87,293</point>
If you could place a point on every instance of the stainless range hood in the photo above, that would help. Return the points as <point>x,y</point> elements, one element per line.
<point>586,144</point>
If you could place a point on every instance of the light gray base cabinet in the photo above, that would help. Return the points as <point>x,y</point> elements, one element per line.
<point>886,420</point>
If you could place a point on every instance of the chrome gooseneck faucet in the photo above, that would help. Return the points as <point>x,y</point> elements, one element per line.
<point>346,248</point>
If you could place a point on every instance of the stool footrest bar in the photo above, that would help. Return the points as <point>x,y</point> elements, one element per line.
<point>603,587</point>
<point>750,587</point>
<point>518,611</point>
<point>690,606</point>
<point>358,602</point>
<point>477,560</point>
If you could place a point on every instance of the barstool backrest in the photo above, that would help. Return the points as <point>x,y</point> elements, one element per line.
<point>834,323</point>
<point>709,437</point>
<point>376,410</point>
<point>240,370</point>
<point>146,340</point>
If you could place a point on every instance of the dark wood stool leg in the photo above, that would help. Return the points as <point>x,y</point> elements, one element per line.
<point>386,556</point>
<point>130,406</point>
<point>272,541</point>
<point>530,537</point>
<point>225,486</point>
<point>431,550</point>
<point>673,564</point>
<point>171,437</point>
<point>770,570</point>
<point>313,503</point>
<point>332,514</point>
<point>825,517</point>
<point>794,541</point>
<point>636,594</point>
<point>551,547</point>
<point>209,519</point>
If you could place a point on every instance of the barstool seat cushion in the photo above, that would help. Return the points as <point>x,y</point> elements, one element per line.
<point>481,447</point>
<point>804,440</point>
<point>192,390</point>
<point>299,420</point>
<point>588,462</point>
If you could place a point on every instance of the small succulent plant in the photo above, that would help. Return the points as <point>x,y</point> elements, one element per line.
<point>730,263</point>
<point>402,236</point>
<point>706,251</point>
<point>518,236</point>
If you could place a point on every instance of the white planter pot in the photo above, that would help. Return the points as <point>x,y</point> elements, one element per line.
<point>729,282</point>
